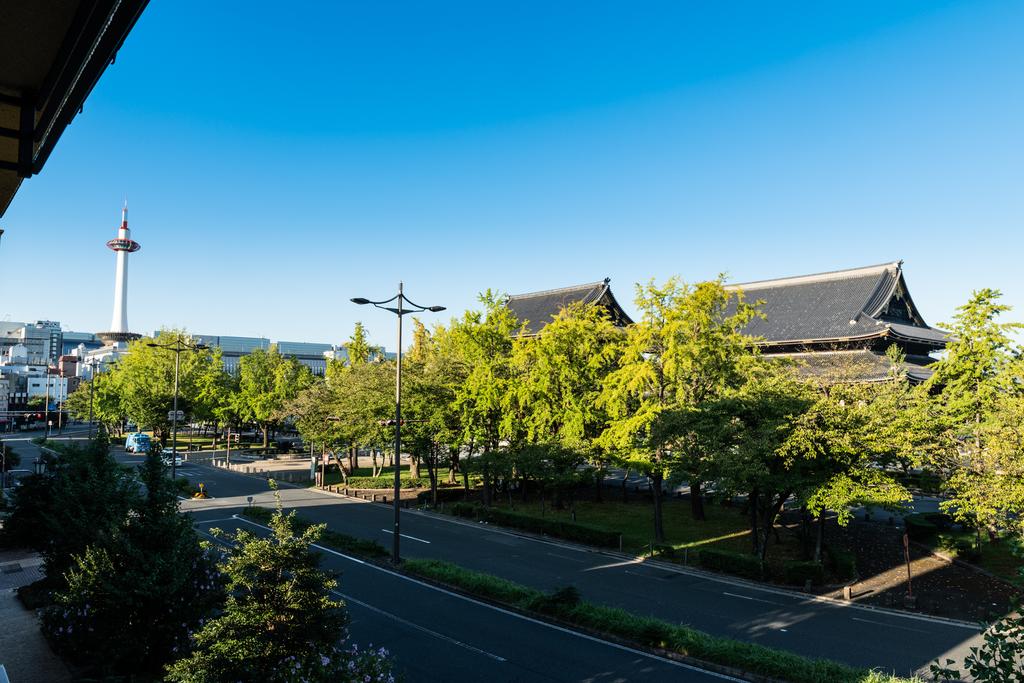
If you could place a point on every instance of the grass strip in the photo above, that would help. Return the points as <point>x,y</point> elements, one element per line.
<point>566,606</point>
<point>331,539</point>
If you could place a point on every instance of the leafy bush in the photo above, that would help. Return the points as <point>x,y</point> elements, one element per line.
<point>967,551</point>
<point>919,527</point>
<point>797,573</point>
<point>449,494</point>
<point>570,531</point>
<point>940,520</point>
<point>732,563</point>
<point>841,562</point>
<point>386,482</point>
<point>35,595</point>
<point>647,631</point>
<point>552,603</point>
<point>466,510</point>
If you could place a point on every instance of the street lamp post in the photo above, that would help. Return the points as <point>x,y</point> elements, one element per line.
<point>399,309</point>
<point>46,402</point>
<point>94,376</point>
<point>177,347</point>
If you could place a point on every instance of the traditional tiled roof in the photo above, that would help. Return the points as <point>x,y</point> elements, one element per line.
<point>839,306</point>
<point>537,309</point>
<point>858,365</point>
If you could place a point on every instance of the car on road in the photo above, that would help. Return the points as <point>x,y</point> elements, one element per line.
<point>166,456</point>
<point>137,442</point>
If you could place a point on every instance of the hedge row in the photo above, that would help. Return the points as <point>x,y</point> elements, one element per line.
<point>794,573</point>
<point>450,494</point>
<point>386,482</point>
<point>924,525</point>
<point>570,531</point>
<point>332,539</point>
<point>566,606</point>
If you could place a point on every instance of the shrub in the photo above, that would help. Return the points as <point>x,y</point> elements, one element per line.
<point>797,573</point>
<point>941,520</point>
<point>732,563</point>
<point>841,562</point>
<point>450,494</point>
<point>570,531</point>
<point>464,510</point>
<point>919,527</point>
<point>967,551</point>
<point>36,595</point>
<point>385,482</point>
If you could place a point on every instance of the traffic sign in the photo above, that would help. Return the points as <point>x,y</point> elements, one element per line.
<point>176,417</point>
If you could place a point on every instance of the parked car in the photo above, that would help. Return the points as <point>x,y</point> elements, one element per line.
<point>137,442</point>
<point>166,455</point>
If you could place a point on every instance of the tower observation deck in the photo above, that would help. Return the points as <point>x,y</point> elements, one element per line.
<point>122,245</point>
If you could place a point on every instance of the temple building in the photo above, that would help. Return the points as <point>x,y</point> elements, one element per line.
<point>537,309</point>
<point>839,325</point>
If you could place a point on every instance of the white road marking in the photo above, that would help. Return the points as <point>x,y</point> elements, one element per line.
<point>747,597</point>
<point>410,624</point>
<point>882,623</point>
<point>406,536</point>
<point>523,617</point>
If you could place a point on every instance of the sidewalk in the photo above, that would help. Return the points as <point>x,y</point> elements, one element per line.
<point>23,650</point>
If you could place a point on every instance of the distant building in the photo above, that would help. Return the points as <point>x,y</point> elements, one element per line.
<point>313,355</point>
<point>840,324</point>
<point>72,341</point>
<point>42,340</point>
<point>232,348</point>
<point>537,309</point>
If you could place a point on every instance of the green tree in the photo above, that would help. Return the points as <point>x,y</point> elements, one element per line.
<point>280,621</point>
<point>90,498</point>
<point>149,578</point>
<point>484,343</point>
<point>267,381</point>
<point>976,392</point>
<point>687,349</point>
<point>144,381</point>
<point>104,393</point>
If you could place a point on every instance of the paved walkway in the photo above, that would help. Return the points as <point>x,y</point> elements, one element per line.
<point>23,650</point>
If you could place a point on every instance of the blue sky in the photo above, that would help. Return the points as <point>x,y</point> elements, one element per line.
<point>278,161</point>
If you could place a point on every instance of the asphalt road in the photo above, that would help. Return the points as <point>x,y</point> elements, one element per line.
<point>861,636</point>
<point>435,635</point>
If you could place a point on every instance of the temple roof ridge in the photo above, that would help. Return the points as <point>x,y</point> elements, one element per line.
<point>828,276</point>
<point>562,290</point>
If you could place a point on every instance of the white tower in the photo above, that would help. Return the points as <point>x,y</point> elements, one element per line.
<point>122,245</point>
